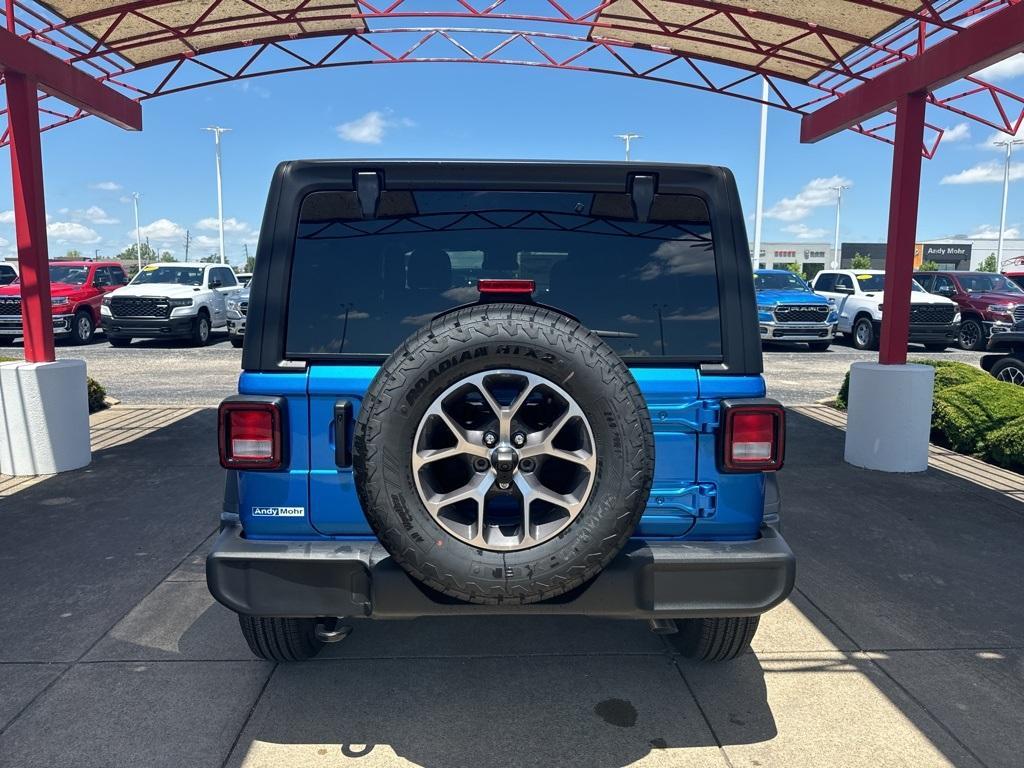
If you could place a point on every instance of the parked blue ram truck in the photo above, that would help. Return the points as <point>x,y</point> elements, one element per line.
<point>788,311</point>
<point>475,388</point>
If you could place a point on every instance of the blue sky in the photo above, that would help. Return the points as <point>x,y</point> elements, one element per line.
<point>457,110</point>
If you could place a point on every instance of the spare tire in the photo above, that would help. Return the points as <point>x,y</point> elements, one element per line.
<point>503,454</point>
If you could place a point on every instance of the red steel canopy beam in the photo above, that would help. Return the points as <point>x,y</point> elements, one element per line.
<point>985,42</point>
<point>61,80</point>
<point>28,69</point>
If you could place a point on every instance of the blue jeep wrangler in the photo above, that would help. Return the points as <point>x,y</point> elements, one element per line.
<point>456,378</point>
<point>789,311</point>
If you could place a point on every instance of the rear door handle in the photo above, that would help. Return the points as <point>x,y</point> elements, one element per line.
<point>342,432</point>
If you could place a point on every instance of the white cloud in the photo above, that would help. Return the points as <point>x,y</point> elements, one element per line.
<point>230,225</point>
<point>958,132</point>
<point>815,194</point>
<point>803,232</point>
<point>161,229</point>
<point>106,186</point>
<point>371,127</point>
<point>1003,70</point>
<point>206,241</point>
<point>4,242</point>
<point>72,232</point>
<point>93,214</point>
<point>6,217</point>
<point>990,142</point>
<point>984,173</point>
<point>988,232</point>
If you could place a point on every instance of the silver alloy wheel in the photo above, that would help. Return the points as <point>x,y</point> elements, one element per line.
<point>84,328</point>
<point>204,329</point>
<point>1012,375</point>
<point>863,332</point>
<point>504,460</point>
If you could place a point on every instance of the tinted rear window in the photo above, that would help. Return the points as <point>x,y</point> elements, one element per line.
<point>361,286</point>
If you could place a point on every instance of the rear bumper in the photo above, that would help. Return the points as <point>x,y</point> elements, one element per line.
<point>154,328</point>
<point>648,579</point>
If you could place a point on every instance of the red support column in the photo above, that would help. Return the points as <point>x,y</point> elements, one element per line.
<point>903,200</point>
<point>30,216</point>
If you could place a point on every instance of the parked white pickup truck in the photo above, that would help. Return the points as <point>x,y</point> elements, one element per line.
<point>859,298</point>
<point>170,300</point>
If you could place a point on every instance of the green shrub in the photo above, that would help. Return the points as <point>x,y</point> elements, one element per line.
<point>97,393</point>
<point>948,373</point>
<point>1006,445</point>
<point>963,416</point>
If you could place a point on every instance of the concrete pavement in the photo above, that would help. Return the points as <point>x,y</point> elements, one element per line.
<point>901,646</point>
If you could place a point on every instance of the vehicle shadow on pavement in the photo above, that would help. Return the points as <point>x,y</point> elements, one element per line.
<point>495,692</point>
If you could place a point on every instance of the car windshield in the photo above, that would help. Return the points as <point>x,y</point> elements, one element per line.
<point>68,275</point>
<point>360,286</point>
<point>779,281</point>
<point>988,284</point>
<point>169,274</point>
<point>876,283</point>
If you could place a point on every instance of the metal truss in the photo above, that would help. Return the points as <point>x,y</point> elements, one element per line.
<point>572,35</point>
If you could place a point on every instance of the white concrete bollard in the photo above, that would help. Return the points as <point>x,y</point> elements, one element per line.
<point>889,414</point>
<point>44,417</point>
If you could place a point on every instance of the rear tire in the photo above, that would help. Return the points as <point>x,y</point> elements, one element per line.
<point>119,341</point>
<point>719,639</point>
<point>277,639</point>
<point>237,341</point>
<point>819,346</point>
<point>862,334</point>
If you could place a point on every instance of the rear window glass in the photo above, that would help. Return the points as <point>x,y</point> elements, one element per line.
<point>362,285</point>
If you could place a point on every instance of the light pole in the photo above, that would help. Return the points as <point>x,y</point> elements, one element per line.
<point>217,131</point>
<point>138,232</point>
<point>839,205</point>
<point>628,137</point>
<point>759,207</point>
<point>1008,143</point>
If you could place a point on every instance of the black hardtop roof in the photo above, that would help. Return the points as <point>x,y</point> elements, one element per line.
<point>511,173</point>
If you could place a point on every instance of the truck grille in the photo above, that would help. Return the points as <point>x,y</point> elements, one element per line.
<point>800,313</point>
<point>139,306</point>
<point>243,308</point>
<point>10,307</point>
<point>1018,313</point>
<point>932,313</point>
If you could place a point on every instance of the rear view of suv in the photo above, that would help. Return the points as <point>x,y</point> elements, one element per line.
<point>987,302</point>
<point>476,388</point>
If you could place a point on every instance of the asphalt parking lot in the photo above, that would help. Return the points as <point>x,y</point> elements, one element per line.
<point>206,375</point>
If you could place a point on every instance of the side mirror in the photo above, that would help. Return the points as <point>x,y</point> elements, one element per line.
<point>125,280</point>
<point>215,283</point>
<point>100,283</point>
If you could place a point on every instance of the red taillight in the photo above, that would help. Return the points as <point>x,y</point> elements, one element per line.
<point>250,435</point>
<point>521,287</point>
<point>754,437</point>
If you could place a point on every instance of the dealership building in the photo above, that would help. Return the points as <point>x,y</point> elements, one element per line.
<point>961,253</point>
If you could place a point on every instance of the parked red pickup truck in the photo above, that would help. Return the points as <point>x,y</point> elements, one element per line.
<point>987,302</point>
<point>76,290</point>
